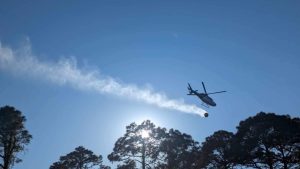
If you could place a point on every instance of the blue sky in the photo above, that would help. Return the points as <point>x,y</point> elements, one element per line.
<point>251,49</point>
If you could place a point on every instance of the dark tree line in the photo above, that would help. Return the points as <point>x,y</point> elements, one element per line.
<point>268,141</point>
<point>265,140</point>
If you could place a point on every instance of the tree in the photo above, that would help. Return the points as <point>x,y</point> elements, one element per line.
<point>140,144</point>
<point>180,150</point>
<point>128,164</point>
<point>216,151</point>
<point>13,136</point>
<point>81,158</point>
<point>268,141</point>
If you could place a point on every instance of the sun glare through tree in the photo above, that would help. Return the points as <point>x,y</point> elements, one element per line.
<point>145,134</point>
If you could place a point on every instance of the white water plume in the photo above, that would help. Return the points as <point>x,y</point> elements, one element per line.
<point>66,72</point>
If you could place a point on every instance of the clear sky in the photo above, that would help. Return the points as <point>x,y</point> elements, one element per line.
<point>50,51</point>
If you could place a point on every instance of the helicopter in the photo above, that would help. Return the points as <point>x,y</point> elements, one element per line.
<point>206,100</point>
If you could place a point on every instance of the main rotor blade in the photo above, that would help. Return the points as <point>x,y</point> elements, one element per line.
<point>204,87</point>
<point>216,92</point>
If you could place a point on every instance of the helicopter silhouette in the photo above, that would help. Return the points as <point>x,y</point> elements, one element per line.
<point>206,100</point>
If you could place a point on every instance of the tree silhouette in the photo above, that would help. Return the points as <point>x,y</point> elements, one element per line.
<point>268,141</point>
<point>128,164</point>
<point>133,148</point>
<point>13,136</point>
<point>180,150</point>
<point>81,158</point>
<point>216,151</point>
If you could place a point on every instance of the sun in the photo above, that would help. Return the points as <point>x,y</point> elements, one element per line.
<point>145,133</point>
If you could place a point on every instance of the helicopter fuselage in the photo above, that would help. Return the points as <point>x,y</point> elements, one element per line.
<point>206,99</point>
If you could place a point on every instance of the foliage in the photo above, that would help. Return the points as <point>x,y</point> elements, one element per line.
<point>172,150</point>
<point>133,147</point>
<point>81,158</point>
<point>216,151</point>
<point>13,136</point>
<point>263,141</point>
<point>129,164</point>
<point>268,141</point>
<point>180,150</point>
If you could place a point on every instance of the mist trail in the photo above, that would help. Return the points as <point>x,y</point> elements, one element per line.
<point>21,61</point>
